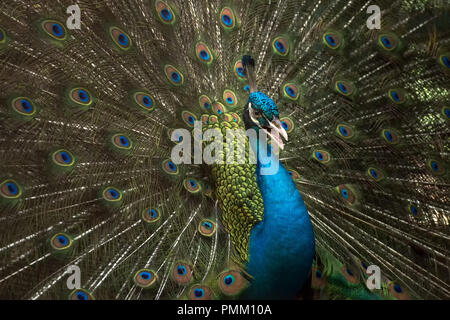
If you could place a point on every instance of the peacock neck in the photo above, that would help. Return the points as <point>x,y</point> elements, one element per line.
<point>282,245</point>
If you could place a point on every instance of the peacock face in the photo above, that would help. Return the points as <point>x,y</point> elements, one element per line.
<point>261,112</point>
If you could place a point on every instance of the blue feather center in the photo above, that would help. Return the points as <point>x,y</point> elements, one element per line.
<point>124,141</point>
<point>280,46</point>
<point>12,188</point>
<point>386,42</point>
<point>199,292</point>
<point>166,14</point>
<point>227,20</point>
<point>57,30</point>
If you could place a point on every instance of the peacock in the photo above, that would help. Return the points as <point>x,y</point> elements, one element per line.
<point>104,193</point>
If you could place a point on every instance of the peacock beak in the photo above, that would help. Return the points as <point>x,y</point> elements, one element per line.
<point>277,131</point>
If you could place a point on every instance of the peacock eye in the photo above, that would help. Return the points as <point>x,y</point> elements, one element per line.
<point>207,228</point>
<point>204,53</point>
<point>165,12</point>
<point>181,270</point>
<point>145,278</point>
<point>112,194</point>
<point>54,29</point>
<point>200,292</point>
<point>228,280</point>
<point>151,215</point>
<point>122,141</point>
<point>63,158</point>
<point>120,38</point>
<point>80,294</point>
<point>174,76</point>
<point>10,189</point>
<point>60,241</point>
<point>227,18</point>
<point>182,273</point>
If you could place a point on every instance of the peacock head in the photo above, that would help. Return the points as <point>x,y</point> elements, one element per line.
<point>261,113</point>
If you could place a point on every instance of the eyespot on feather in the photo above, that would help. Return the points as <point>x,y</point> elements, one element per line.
<point>61,241</point>
<point>23,106</point>
<point>213,119</point>
<point>81,294</point>
<point>347,194</point>
<point>344,87</point>
<point>182,273</point>
<point>120,38</point>
<point>446,113</point>
<point>165,12</point>
<point>240,71</point>
<point>321,156</point>
<point>63,158</point>
<point>227,117</point>
<point>174,76</point>
<point>414,210</point>
<point>2,37</point>
<point>280,46</point>
<point>10,189</point>
<point>236,117</point>
<point>121,141</point>
<point>318,279</point>
<point>145,278</point>
<point>436,167</point>
<point>350,275</point>
<point>344,131</point>
<point>444,60</point>
<point>205,102</point>
<point>54,29</point>
<point>332,40</point>
<point>398,291</point>
<point>192,185</point>
<point>112,194</point>
<point>390,136</point>
<point>218,108</point>
<point>170,167</point>
<point>375,174</point>
<point>388,42</point>
<point>207,227</point>
<point>230,98</point>
<point>227,19</point>
<point>144,101</point>
<point>287,124</point>
<point>290,91</point>
<point>81,97</point>
<point>398,96</point>
<point>200,292</point>
<point>231,282</point>
<point>203,53</point>
<point>189,118</point>
<point>151,215</point>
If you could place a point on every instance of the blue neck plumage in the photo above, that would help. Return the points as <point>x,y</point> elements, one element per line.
<point>282,245</point>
